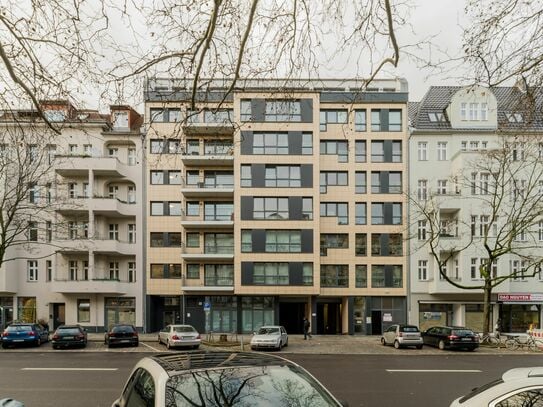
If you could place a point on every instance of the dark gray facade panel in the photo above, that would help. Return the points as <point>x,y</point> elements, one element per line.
<point>259,240</point>
<point>246,147</point>
<point>384,182</point>
<point>350,307</point>
<point>384,119</point>
<point>295,273</point>
<point>388,276</point>
<point>258,109</point>
<point>307,240</point>
<point>354,97</point>
<point>387,212</point>
<point>306,106</point>
<point>387,147</point>
<point>384,244</point>
<point>246,273</point>
<point>246,208</point>
<point>295,142</point>
<point>306,171</point>
<point>295,208</point>
<point>258,175</point>
<point>177,96</point>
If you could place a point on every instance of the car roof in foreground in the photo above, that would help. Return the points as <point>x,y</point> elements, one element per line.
<point>178,363</point>
<point>522,373</point>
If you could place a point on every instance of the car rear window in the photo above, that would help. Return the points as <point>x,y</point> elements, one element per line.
<point>462,332</point>
<point>266,331</point>
<point>247,386</point>
<point>19,328</point>
<point>123,328</point>
<point>69,331</point>
<point>183,329</point>
<point>409,329</point>
<point>479,390</point>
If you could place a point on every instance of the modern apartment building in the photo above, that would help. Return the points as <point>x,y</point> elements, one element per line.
<point>279,200</point>
<point>82,260</point>
<point>455,132</point>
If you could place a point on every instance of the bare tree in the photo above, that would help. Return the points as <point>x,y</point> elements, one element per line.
<point>496,214</point>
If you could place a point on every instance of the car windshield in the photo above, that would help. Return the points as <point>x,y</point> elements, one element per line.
<point>479,390</point>
<point>268,331</point>
<point>68,331</point>
<point>248,386</point>
<point>19,328</point>
<point>123,328</point>
<point>462,332</point>
<point>409,329</point>
<point>183,329</point>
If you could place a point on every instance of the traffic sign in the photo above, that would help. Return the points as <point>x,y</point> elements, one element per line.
<point>207,306</point>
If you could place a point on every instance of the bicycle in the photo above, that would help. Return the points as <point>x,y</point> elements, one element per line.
<point>491,339</point>
<point>523,341</point>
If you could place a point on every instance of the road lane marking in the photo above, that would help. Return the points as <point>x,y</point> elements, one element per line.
<point>434,370</point>
<point>149,346</point>
<point>72,368</point>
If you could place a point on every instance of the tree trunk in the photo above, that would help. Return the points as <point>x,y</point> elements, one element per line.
<point>486,308</point>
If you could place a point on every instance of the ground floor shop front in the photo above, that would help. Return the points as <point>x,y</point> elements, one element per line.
<point>513,313</point>
<point>245,314</point>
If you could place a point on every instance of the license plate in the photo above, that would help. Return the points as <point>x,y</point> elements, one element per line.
<point>68,337</point>
<point>186,337</point>
<point>18,340</point>
<point>125,340</point>
<point>466,339</point>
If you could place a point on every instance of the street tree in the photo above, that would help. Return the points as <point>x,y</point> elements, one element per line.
<point>497,217</point>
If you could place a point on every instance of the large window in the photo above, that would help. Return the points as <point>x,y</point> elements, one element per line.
<point>336,209</point>
<point>167,239</point>
<point>159,115</point>
<point>218,210</point>
<point>245,110</point>
<point>270,274</point>
<point>361,276</point>
<point>83,310</point>
<point>386,244</point>
<point>334,275</point>
<point>219,274</point>
<point>166,208</point>
<point>386,276</point>
<point>270,143</point>
<point>359,120</point>
<point>218,116</point>
<point>385,182</point>
<point>165,146</point>
<point>283,176</point>
<point>333,241</point>
<point>283,111</point>
<point>283,241</point>
<point>334,147</point>
<point>270,208</point>
<point>165,270</point>
<point>332,178</point>
<point>165,177</point>
<point>332,117</point>
<point>222,243</point>
<point>360,213</point>
<point>218,179</point>
<point>377,151</point>
<point>360,151</point>
<point>380,215</point>
<point>32,270</point>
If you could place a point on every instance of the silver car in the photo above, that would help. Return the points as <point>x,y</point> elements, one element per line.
<point>179,335</point>
<point>400,335</point>
<point>271,337</point>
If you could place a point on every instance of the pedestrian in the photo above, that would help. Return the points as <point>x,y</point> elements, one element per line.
<point>307,325</point>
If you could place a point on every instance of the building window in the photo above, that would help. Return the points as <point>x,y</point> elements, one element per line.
<point>386,182</point>
<point>157,146</point>
<point>334,147</point>
<point>473,111</point>
<point>359,120</point>
<point>270,143</point>
<point>83,310</point>
<point>441,187</point>
<point>157,208</point>
<point>246,176</point>
<point>132,233</point>
<point>192,240</point>
<point>422,190</point>
<point>32,270</point>
<point>174,177</point>
<point>332,117</point>
<point>270,274</point>
<point>270,208</point>
<point>283,111</point>
<point>360,213</point>
<point>193,271</point>
<point>377,151</point>
<point>361,276</point>
<point>283,241</point>
<point>131,271</point>
<point>333,241</point>
<point>48,231</point>
<point>193,208</point>
<point>361,244</point>
<point>335,209</point>
<point>360,151</point>
<point>114,270</point>
<point>378,213</point>
<point>423,270</point>
<point>219,275</point>
<point>307,274</point>
<point>72,270</point>
<point>360,182</point>
<point>442,150</point>
<point>220,211</point>
<point>165,239</point>
<point>283,176</point>
<point>245,110</point>
<point>386,276</point>
<point>334,275</point>
<point>157,177</point>
<point>332,178</point>
<point>463,111</point>
<point>421,230</point>
<point>160,115</point>
<point>219,243</point>
<point>166,271</point>
<point>113,231</point>
<point>394,120</point>
<point>32,231</point>
<point>246,241</point>
<point>218,116</point>
<point>423,151</point>
<point>307,208</point>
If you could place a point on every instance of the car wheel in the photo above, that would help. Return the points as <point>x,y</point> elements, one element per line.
<point>136,344</point>
<point>419,346</point>
<point>5,345</point>
<point>38,342</point>
<point>441,345</point>
<point>286,343</point>
<point>383,342</point>
<point>471,349</point>
<point>159,341</point>
<point>168,344</point>
<point>397,345</point>
<point>196,346</point>
<point>55,347</point>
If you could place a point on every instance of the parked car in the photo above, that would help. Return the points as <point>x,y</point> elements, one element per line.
<point>453,337</point>
<point>270,336</point>
<point>401,335</point>
<point>179,335</point>
<point>207,378</point>
<point>66,336</point>
<point>121,334</point>
<point>24,333</point>
<point>517,387</point>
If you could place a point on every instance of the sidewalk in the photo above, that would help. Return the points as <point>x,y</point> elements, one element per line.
<point>329,344</point>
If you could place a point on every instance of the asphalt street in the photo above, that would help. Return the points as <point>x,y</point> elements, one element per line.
<point>95,379</point>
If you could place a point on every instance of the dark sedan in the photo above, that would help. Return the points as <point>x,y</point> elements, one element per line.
<point>451,337</point>
<point>122,334</point>
<point>67,336</point>
<point>23,333</point>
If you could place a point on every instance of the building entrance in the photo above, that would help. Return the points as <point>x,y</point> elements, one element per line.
<point>291,316</point>
<point>328,318</point>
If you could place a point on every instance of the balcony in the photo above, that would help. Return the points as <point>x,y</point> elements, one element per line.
<point>213,159</point>
<point>99,246</point>
<point>79,166</point>
<point>72,206</point>
<point>94,286</point>
<point>215,222</point>
<point>209,122</point>
<point>209,253</point>
<point>107,206</point>
<point>207,190</point>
